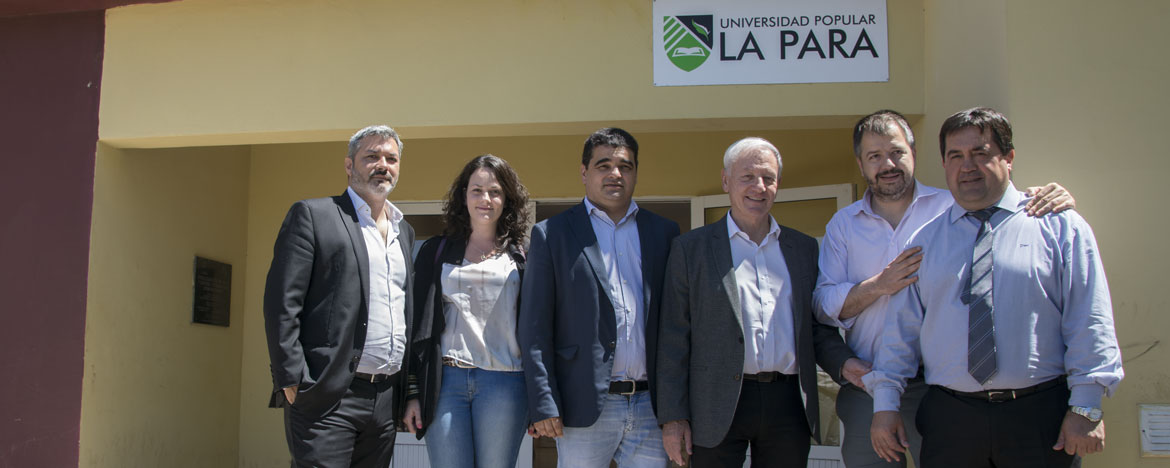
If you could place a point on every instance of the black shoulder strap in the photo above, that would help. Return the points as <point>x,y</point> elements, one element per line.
<point>439,251</point>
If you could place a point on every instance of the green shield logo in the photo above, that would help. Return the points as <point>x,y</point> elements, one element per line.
<point>688,40</point>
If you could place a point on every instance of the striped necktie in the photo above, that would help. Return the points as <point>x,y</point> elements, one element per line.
<point>981,324</point>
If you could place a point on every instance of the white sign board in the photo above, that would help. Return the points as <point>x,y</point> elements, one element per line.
<point>700,42</point>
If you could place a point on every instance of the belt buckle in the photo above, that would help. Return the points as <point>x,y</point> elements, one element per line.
<point>633,387</point>
<point>993,396</point>
<point>452,362</point>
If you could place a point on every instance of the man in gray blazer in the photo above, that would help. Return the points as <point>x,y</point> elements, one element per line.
<point>335,305</point>
<point>737,338</point>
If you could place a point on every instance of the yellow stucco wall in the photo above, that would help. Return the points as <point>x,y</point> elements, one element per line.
<point>1083,83</point>
<point>1089,97</point>
<point>228,72</point>
<point>159,390</point>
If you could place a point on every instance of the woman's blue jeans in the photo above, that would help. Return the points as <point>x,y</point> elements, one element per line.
<point>480,419</point>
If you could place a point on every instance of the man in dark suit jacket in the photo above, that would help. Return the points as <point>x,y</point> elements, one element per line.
<point>589,315</point>
<point>335,305</point>
<point>738,343</point>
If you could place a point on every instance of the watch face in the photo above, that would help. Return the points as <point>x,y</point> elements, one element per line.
<point>1095,414</point>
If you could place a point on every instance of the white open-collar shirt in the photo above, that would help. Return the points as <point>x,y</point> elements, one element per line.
<point>386,330</point>
<point>765,301</point>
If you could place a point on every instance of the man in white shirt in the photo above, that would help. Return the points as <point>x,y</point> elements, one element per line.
<point>864,260</point>
<point>335,305</point>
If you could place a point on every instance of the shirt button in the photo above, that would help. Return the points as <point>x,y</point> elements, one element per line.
<point>612,344</point>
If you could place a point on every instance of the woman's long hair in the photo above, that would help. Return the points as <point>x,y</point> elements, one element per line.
<point>512,227</point>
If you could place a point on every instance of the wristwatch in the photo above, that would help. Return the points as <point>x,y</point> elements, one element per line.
<point>1092,414</point>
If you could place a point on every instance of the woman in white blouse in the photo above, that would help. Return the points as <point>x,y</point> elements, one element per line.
<point>466,386</point>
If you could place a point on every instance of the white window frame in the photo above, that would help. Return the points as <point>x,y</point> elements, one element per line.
<point>843,193</point>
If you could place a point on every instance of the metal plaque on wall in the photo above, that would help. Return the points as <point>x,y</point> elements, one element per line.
<point>213,292</point>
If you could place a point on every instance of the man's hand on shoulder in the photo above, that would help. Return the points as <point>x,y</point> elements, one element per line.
<point>550,427</point>
<point>1079,436</point>
<point>676,435</point>
<point>1051,198</point>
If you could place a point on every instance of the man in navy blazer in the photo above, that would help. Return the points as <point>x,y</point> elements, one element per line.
<point>335,305</point>
<point>589,316</point>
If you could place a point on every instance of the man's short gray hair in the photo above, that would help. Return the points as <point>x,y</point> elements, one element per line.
<point>748,145</point>
<point>378,130</point>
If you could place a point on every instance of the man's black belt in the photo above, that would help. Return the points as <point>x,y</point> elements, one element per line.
<point>371,378</point>
<point>765,377</point>
<point>1000,396</point>
<point>628,387</point>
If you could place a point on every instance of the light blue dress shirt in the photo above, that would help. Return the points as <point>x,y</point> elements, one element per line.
<point>1053,316</point>
<point>859,244</point>
<point>621,251</point>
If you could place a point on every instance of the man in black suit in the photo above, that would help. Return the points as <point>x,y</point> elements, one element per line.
<point>589,316</point>
<point>334,313</point>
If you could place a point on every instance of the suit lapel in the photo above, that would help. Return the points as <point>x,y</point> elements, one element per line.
<point>721,251</point>
<point>404,244</point>
<point>796,271</point>
<point>582,230</point>
<point>349,219</point>
<point>648,251</point>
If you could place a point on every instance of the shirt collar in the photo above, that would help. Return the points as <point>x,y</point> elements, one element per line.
<point>733,229</point>
<point>920,192</point>
<point>1012,201</point>
<point>363,208</point>
<point>593,210</point>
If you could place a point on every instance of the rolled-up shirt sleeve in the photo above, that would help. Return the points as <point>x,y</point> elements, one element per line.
<point>1092,358</point>
<point>833,283</point>
<point>899,354</point>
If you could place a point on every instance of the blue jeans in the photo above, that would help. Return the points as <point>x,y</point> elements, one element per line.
<point>480,419</point>
<point>626,431</point>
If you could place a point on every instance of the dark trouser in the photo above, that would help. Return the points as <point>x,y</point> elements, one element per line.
<point>962,432</point>
<point>770,418</point>
<point>359,431</point>
<point>855,408</point>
